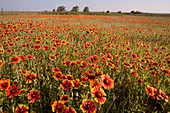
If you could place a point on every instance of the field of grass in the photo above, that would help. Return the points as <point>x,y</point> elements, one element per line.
<point>84,63</point>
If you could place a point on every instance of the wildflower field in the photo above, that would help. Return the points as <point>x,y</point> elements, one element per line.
<point>69,64</point>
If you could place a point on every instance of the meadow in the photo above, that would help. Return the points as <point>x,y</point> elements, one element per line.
<point>84,63</point>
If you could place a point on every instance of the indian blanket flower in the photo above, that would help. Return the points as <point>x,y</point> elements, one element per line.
<point>66,84</point>
<point>12,91</point>
<point>163,95</point>
<point>84,79</point>
<point>29,56</point>
<point>107,83</point>
<point>22,109</point>
<point>149,90</point>
<point>56,69</point>
<point>99,95</point>
<point>4,84</point>
<point>126,64</point>
<point>69,110</point>
<point>64,98</point>
<point>23,71</point>
<point>58,107</point>
<point>52,57</point>
<point>30,77</point>
<point>14,59</point>
<point>76,84</point>
<point>133,72</point>
<point>88,106</point>
<point>134,56</point>
<point>1,63</point>
<point>156,94</point>
<point>98,73</point>
<point>57,75</point>
<point>33,95</point>
<point>9,50</point>
<point>95,84</point>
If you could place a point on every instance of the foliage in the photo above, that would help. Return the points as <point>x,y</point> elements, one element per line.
<point>61,8</point>
<point>86,9</point>
<point>75,8</point>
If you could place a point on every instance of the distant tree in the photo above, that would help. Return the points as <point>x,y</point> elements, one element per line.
<point>75,9</point>
<point>45,11</point>
<point>133,12</point>
<point>86,9</point>
<point>119,12</point>
<point>107,11</point>
<point>138,12</point>
<point>53,10</point>
<point>61,8</point>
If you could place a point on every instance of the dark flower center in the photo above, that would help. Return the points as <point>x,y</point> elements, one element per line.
<point>106,81</point>
<point>5,85</point>
<point>98,94</point>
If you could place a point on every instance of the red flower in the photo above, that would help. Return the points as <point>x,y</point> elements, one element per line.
<point>70,77</point>
<point>84,79</point>
<point>88,106</point>
<point>134,73</point>
<point>52,57</point>
<point>45,47</point>
<point>58,107</point>
<point>30,77</point>
<point>128,49</point>
<point>99,95</point>
<point>37,46</point>
<point>109,56</point>
<point>14,59</point>
<point>69,110</point>
<point>126,64</point>
<point>23,58</point>
<point>33,95</point>
<point>57,75</point>
<point>107,82</point>
<point>22,109</point>
<point>95,84</point>
<point>23,71</point>
<point>9,50</point>
<point>56,69</point>
<point>76,84</point>
<point>134,56</point>
<point>4,84</point>
<point>64,98</point>
<point>149,90</point>
<point>29,56</point>
<point>66,84</point>
<point>12,91</point>
<point>98,73</point>
<point>163,96</point>
<point>1,63</point>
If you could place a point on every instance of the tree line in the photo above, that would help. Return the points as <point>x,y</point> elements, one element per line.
<point>74,9</point>
<point>86,9</point>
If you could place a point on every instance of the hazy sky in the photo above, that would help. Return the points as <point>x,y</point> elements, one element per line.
<point>154,6</point>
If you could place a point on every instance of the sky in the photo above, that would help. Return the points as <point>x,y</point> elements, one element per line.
<point>150,6</point>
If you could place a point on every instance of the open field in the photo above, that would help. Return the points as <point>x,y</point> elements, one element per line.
<point>83,63</point>
<point>81,13</point>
